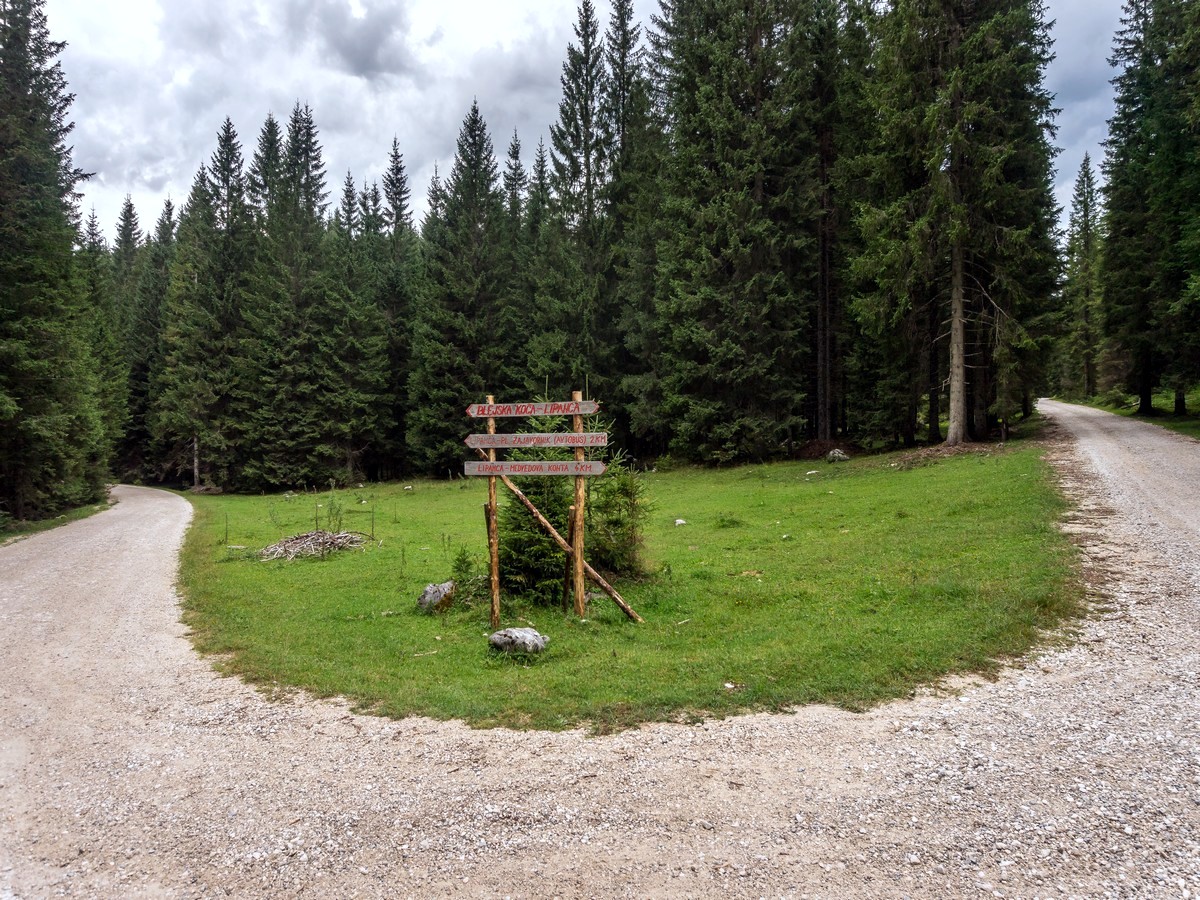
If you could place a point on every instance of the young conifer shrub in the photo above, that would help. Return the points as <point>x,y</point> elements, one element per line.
<point>531,563</point>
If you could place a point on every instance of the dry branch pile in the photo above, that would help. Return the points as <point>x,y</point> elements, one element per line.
<point>314,543</point>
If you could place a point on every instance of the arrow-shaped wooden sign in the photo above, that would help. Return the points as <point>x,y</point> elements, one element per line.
<point>547,467</point>
<point>509,410</point>
<point>588,439</point>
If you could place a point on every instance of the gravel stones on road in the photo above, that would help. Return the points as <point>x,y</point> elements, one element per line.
<point>127,767</point>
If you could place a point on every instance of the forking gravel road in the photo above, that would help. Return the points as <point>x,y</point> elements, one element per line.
<point>129,769</point>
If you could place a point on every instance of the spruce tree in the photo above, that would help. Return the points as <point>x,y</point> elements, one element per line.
<point>636,151</point>
<point>401,276</point>
<point>842,37</point>
<point>397,193</point>
<point>270,317</point>
<point>580,155</point>
<point>552,352</point>
<point>202,407</point>
<point>139,454</point>
<point>578,144</point>
<point>285,418</point>
<point>519,293</point>
<point>1152,198</point>
<point>350,360</point>
<point>264,179</point>
<point>434,201</point>
<point>738,195</point>
<point>460,352</point>
<point>53,447</point>
<point>187,390</point>
<point>964,208</point>
<point>102,324</point>
<point>1080,355</point>
<point>1185,62</point>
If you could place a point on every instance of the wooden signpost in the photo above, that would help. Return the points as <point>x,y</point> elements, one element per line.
<point>594,439</point>
<point>542,467</point>
<point>579,467</point>
<point>493,410</point>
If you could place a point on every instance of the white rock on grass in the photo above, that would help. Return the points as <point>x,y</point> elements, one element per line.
<point>519,640</point>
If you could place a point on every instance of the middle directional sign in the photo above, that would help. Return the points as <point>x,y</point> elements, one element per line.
<point>565,439</point>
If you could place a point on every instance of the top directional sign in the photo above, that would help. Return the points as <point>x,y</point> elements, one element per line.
<point>509,410</point>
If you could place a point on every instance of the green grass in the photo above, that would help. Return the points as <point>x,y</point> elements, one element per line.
<point>850,586</point>
<point>1164,411</point>
<point>14,530</point>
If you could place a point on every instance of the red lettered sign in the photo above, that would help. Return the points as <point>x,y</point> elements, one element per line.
<point>510,410</point>
<point>589,439</point>
<point>547,467</point>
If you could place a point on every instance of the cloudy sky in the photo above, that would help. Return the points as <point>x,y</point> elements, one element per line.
<point>154,80</point>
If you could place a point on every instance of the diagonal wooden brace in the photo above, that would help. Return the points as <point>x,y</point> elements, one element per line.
<point>566,548</point>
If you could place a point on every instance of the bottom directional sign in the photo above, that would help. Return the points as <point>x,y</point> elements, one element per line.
<point>567,467</point>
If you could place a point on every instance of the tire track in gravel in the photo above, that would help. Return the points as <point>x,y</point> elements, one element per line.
<point>128,768</point>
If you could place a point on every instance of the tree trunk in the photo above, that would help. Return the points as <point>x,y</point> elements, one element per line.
<point>935,379</point>
<point>195,461</point>
<point>956,430</point>
<point>1180,402</point>
<point>1145,385</point>
<point>826,404</point>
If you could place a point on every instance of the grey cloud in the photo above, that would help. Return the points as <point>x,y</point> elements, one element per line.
<point>1079,78</point>
<point>376,44</point>
<point>517,87</point>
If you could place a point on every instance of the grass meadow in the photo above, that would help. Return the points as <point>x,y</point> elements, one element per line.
<point>1164,412</point>
<point>789,584</point>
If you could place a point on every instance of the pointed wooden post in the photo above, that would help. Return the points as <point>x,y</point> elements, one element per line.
<point>577,535</point>
<point>493,532</point>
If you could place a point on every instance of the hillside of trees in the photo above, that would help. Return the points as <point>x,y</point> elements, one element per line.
<point>755,226</point>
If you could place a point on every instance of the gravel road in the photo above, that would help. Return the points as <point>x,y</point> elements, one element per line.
<point>128,768</point>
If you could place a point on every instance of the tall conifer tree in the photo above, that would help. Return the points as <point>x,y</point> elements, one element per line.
<point>401,278</point>
<point>965,209</point>
<point>581,155</point>
<point>202,407</point>
<point>1133,315</point>
<point>286,420</point>
<point>139,456</point>
<point>1082,288</point>
<point>102,324</point>
<point>187,390</point>
<point>739,195</point>
<point>53,448</point>
<point>459,349</point>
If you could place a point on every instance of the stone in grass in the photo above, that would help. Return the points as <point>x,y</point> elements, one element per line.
<point>519,640</point>
<point>436,597</point>
<point>836,455</point>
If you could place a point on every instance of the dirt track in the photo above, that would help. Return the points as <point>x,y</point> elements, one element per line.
<point>127,768</point>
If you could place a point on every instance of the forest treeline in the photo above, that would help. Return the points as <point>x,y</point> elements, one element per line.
<point>755,225</point>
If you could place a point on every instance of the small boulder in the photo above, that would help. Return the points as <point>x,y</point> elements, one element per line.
<point>836,455</point>
<point>519,640</point>
<point>436,597</point>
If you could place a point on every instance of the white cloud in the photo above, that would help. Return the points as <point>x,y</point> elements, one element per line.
<point>155,80</point>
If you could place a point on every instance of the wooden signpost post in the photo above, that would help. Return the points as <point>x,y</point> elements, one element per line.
<point>579,467</point>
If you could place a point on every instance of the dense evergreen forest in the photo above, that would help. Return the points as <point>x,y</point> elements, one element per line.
<point>756,226</point>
